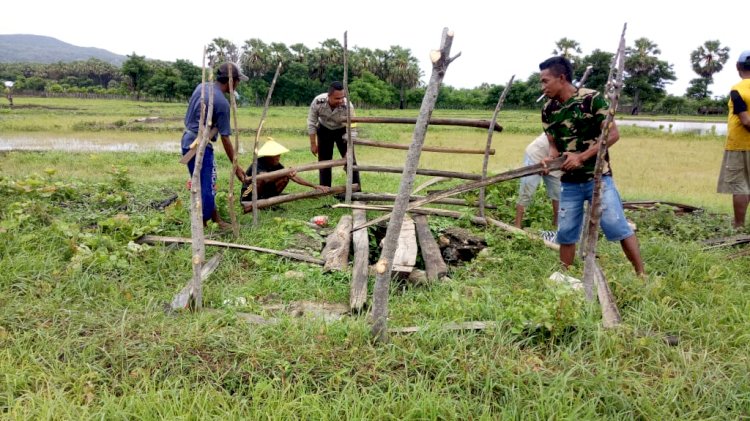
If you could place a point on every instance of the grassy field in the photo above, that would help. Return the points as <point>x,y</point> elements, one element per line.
<point>84,333</point>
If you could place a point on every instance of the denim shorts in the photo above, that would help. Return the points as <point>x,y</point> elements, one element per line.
<point>530,183</point>
<point>570,219</point>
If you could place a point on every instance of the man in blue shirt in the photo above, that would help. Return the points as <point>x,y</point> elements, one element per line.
<point>221,125</point>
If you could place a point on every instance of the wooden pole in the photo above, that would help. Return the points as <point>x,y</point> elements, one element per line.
<point>302,168</point>
<point>284,198</point>
<point>553,165</point>
<point>440,61</point>
<point>387,197</point>
<point>255,144</point>
<point>196,208</point>
<point>434,265</point>
<point>349,144</point>
<point>386,145</point>
<point>436,173</point>
<point>336,251</point>
<point>361,244</point>
<point>233,170</point>
<point>154,239</point>
<point>592,274</point>
<point>487,149</point>
<point>480,124</point>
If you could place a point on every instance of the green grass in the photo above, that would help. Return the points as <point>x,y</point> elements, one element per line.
<point>84,334</point>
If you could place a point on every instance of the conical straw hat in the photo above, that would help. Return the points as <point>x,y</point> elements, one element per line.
<point>271,148</point>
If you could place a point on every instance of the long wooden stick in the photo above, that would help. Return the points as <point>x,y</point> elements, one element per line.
<point>388,197</point>
<point>284,198</point>
<point>196,208</point>
<point>591,272</point>
<point>154,239</point>
<point>487,149</point>
<point>480,124</point>
<point>420,171</point>
<point>386,145</point>
<point>255,144</point>
<point>508,175</point>
<point>440,61</point>
<point>349,144</point>
<point>302,168</point>
<point>235,159</point>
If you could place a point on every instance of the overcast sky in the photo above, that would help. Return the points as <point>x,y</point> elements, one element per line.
<point>497,39</point>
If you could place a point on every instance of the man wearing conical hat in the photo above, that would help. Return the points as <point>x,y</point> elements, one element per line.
<point>269,157</point>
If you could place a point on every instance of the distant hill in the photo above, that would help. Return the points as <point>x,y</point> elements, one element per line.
<point>22,48</point>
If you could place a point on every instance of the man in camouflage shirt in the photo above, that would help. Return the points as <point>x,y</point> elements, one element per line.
<point>326,125</point>
<point>572,119</point>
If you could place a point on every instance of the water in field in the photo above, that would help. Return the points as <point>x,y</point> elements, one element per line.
<point>79,145</point>
<point>678,126</point>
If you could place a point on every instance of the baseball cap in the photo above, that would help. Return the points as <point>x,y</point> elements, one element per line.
<point>236,73</point>
<point>271,148</point>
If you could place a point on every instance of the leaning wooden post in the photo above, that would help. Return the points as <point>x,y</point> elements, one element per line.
<point>440,61</point>
<point>349,144</point>
<point>196,208</point>
<point>591,272</point>
<point>233,171</point>
<point>491,130</point>
<point>255,144</point>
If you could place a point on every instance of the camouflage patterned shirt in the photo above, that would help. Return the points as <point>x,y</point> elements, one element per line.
<point>575,125</point>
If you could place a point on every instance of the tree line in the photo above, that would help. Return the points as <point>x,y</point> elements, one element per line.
<point>377,78</point>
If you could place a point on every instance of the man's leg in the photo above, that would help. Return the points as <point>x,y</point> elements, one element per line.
<point>572,197</point>
<point>739,203</point>
<point>615,225</point>
<point>633,252</point>
<point>325,153</point>
<point>555,211</point>
<point>519,215</point>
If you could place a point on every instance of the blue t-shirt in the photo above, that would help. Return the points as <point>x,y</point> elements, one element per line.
<point>220,116</point>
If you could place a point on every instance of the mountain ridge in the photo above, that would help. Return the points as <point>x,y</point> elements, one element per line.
<point>29,48</point>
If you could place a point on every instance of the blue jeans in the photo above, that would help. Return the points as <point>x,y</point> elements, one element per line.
<point>208,181</point>
<point>570,221</point>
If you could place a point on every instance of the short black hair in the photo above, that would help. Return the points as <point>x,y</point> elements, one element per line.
<point>558,65</point>
<point>335,86</point>
<point>744,66</point>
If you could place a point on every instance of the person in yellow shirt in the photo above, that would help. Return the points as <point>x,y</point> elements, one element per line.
<point>734,177</point>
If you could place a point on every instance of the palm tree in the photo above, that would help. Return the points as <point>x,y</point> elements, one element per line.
<point>646,75</point>
<point>255,58</point>
<point>403,71</point>
<point>707,60</point>
<point>221,50</point>
<point>567,48</point>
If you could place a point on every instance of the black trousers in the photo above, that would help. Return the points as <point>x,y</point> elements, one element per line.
<point>326,139</point>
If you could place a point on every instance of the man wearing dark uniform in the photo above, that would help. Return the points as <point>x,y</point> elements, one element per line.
<point>326,125</point>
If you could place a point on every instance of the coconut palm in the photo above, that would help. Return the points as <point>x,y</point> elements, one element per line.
<point>707,60</point>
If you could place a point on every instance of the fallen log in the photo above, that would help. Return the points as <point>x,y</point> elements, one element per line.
<point>336,251</point>
<point>387,197</point>
<point>475,325</point>
<point>434,265</point>
<point>155,239</point>
<point>386,145</point>
<point>361,244</point>
<point>555,164</point>
<point>284,198</point>
<point>651,204</point>
<point>406,247</point>
<point>436,173</point>
<point>480,124</point>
